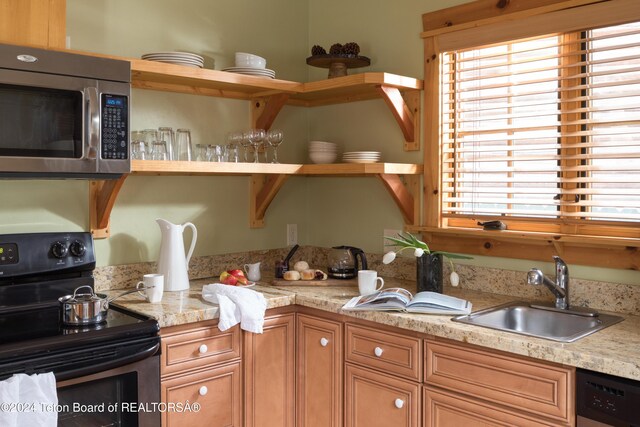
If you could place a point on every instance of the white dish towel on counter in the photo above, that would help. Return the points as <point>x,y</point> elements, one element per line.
<point>29,400</point>
<point>237,305</point>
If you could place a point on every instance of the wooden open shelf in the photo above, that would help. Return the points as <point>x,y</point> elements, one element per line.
<point>267,97</point>
<point>266,181</point>
<point>401,94</point>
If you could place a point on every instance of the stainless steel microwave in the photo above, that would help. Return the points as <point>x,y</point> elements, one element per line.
<point>62,114</point>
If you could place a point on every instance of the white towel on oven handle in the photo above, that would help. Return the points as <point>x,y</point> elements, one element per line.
<point>237,305</point>
<point>30,400</point>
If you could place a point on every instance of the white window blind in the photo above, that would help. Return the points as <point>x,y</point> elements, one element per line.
<point>544,129</point>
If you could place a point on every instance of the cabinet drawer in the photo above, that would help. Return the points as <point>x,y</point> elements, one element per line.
<point>444,409</point>
<point>198,347</point>
<point>217,391</point>
<point>542,389</point>
<point>374,399</point>
<point>387,351</point>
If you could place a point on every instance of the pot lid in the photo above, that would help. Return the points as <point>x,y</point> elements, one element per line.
<point>84,297</point>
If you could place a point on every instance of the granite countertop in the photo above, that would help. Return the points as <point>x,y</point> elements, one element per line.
<point>614,350</point>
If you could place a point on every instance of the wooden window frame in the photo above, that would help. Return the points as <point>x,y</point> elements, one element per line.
<point>490,21</point>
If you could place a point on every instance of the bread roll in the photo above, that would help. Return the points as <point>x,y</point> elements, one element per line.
<point>300,266</point>
<point>291,275</point>
<point>308,274</point>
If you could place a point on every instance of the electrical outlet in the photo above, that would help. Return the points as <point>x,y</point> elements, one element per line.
<point>391,233</point>
<point>292,234</point>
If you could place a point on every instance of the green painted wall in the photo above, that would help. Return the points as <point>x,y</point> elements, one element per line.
<point>328,211</point>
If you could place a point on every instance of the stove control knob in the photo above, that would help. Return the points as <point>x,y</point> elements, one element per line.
<point>59,250</point>
<point>77,248</point>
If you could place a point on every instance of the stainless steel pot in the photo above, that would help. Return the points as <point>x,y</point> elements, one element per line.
<point>87,308</point>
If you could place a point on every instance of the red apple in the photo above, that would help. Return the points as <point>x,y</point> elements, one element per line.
<point>236,272</point>
<point>239,275</point>
<point>228,279</point>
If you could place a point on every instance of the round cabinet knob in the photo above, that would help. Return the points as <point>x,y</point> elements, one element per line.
<point>203,349</point>
<point>377,351</point>
<point>324,342</point>
<point>59,250</point>
<point>77,248</point>
<point>203,391</point>
<point>399,403</point>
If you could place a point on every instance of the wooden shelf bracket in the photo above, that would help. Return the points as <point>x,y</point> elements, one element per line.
<point>263,190</point>
<point>264,110</point>
<point>406,110</point>
<point>102,197</point>
<point>406,196</point>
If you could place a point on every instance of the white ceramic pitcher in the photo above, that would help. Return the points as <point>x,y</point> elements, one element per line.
<point>172,261</point>
<point>253,271</point>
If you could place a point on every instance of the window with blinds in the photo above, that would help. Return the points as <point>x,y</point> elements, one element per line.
<point>544,132</point>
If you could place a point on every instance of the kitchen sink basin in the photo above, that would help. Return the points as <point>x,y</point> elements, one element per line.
<point>541,322</point>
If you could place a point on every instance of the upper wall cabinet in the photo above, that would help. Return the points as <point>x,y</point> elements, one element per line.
<point>33,22</point>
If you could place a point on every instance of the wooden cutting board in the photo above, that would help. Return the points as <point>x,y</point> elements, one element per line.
<point>328,282</point>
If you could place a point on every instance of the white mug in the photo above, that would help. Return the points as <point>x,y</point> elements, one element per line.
<point>367,281</point>
<point>153,287</point>
<point>253,271</point>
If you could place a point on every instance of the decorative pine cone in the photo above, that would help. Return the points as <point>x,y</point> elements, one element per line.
<point>351,48</point>
<point>336,49</point>
<point>318,50</point>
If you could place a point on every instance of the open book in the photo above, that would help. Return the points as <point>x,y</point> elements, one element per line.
<point>398,299</point>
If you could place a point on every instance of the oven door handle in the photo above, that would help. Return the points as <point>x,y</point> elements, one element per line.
<point>111,364</point>
<point>92,123</point>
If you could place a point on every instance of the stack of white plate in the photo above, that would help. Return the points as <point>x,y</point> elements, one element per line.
<point>361,157</point>
<point>179,58</point>
<point>249,71</point>
<point>321,152</point>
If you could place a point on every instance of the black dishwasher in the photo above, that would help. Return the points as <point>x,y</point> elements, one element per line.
<point>605,400</point>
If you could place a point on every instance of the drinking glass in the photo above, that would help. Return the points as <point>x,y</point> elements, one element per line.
<point>183,145</point>
<point>138,150</point>
<point>149,136</point>
<point>274,137</point>
<point>245,142</point>
<point>166,134</point>
<point>159,150</point>
<point>215,153</point>
<point>201,153</point>
<point>233,141</point>
<point>256,137</point>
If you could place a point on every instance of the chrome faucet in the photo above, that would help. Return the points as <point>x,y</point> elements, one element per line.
<point>559,288</point>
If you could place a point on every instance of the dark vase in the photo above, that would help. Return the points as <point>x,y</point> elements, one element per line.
<point>429,273</point>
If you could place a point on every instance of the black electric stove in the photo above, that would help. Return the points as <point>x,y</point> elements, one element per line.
<point>35,270</point>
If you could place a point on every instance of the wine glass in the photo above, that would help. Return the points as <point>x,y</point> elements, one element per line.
<point>256,137</point>
<point>274,137</point>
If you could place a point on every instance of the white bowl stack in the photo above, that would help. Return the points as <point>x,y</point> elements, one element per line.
<point>321,152</point>
<point>251,65</point>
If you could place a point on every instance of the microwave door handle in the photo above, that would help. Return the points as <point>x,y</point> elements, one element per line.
<point>92,123</point>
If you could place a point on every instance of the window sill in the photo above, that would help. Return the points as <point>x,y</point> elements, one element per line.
<point>595,251</point>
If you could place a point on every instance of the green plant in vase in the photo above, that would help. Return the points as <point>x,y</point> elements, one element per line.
<point>408,241</point>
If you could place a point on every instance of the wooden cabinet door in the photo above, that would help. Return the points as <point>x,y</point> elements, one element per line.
<point>374,399</point>
<point>445,409</point>
<point>319,376</point>
<point>270,373</point>
<point>33,22</point>
<point>216,391</point>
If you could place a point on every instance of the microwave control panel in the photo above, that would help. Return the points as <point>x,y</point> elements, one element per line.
<point>115,127</point>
